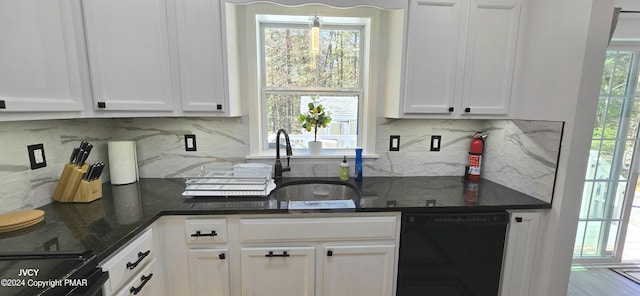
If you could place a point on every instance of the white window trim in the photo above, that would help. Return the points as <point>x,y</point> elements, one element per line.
<point>251,30</point>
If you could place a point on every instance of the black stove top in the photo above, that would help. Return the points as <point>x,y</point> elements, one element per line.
<point>50,273</point>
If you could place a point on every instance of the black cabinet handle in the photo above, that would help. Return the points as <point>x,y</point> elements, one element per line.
<point>271,254</point>
<point>198,233</point>
<point>141,255</point>
<point>330,253</point>
<point>102,105</point>
<point>451,109</point>
<point>3,105</point>
<point>222,256</point>
<point>467,109</point>
<point>145,280</point>
<point>519,219</point>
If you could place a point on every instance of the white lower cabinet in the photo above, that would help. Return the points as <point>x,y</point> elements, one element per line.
<point>283,255</point>
<point>519,253</point>
<point>146,283</point>
<point>279,271</point>
<point>332,256</point>
<point>208,272</point>
<point>134,269</point>
<point>362,270</point>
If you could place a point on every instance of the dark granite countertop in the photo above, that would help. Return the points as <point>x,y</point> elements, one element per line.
<point>107,223</point>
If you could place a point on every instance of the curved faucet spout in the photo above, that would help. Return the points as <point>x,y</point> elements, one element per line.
<point>278,165</point>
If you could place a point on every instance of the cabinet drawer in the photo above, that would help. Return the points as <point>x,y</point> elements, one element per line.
<point>325,229</point>
<point>143,283</point>
<point>206,230</point>
<point>129,261</point>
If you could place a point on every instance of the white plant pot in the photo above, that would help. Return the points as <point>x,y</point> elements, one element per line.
<point>315,147</point>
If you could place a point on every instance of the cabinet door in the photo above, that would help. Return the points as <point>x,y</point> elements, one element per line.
<point>433,58</point>
<point>129,54</point>
<point>209,272</point>
<point>39,68</point>
<point>358,270</point>
<point>200,47</point>
<point>278,271</point>
<point>519,252</point>
<point>491,49</point>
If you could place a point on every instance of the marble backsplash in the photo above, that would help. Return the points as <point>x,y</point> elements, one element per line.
<point>519,154</point>
<point>23,188</point>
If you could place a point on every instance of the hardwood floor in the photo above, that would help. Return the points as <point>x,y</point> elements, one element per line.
<point>600,281</point>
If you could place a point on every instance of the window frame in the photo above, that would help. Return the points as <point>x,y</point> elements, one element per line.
<point>292,22</point>
<point>249,30</point>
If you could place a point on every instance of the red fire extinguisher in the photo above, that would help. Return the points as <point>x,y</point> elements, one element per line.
<point>475,156</point>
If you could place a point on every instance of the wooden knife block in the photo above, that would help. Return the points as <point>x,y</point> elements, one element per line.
<point>72,188</point>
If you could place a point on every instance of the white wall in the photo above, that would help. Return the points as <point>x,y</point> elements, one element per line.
<point>558,78</point>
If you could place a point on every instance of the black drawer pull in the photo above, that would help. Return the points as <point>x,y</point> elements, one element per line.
<point>271,254</point>
<point>141,255</point>
<point>519,219</point>
<point>330,253</point>
<point>145,280</point>
<point>198,234</point>
<point>222,256</point>
<point>467,109</point>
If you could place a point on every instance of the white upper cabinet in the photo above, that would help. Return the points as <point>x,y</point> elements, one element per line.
<point>200,48</point>
<point>129,52</point>
<point>490,57</point>
<point>39,69</point>
<point>459,58</point>
<point>433,58</point>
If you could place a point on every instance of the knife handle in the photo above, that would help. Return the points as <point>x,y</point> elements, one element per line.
<point>89,173</point>
<point>74,155</point>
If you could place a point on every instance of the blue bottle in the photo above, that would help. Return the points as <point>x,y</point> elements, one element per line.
<point>358,174</point>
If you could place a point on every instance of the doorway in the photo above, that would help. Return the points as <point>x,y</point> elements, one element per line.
<point>607,212</point>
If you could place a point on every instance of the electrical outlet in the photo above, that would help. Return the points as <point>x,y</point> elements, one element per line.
<point>190,143</point>
<point>36,156</point>
<point>394,143</point>
<point>436,142</point>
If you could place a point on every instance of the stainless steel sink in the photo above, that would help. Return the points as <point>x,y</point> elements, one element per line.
<point>315,190</point>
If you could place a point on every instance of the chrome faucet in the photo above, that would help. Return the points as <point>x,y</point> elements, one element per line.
<point>278,166</point>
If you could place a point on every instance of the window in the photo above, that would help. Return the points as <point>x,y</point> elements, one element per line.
<point>610,182</point>
<point>291,77</point>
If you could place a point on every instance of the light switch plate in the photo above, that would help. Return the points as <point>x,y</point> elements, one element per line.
<point>36,156</point>
<point>190,143</point>
<point>394,143</point>
<point>436,142</point>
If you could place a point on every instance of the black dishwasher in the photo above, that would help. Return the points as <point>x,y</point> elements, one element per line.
<point>451,253</point>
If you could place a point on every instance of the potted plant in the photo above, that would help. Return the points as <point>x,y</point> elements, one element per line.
<point>315,118</point>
